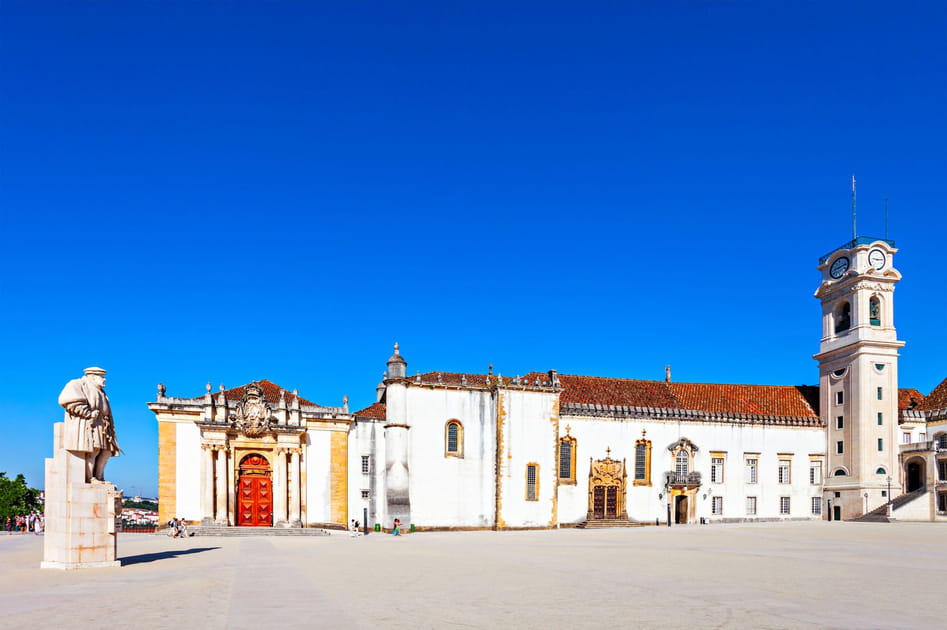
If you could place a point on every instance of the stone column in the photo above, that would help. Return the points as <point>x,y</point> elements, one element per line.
<point>207,484</point>
<point>221,508</point>
<point>279,489</point>
<point>295,517</point>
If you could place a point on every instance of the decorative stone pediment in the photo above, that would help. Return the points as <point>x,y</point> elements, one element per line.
<point>607,472</point>
<point>252,415</point>
<point>683,444</point>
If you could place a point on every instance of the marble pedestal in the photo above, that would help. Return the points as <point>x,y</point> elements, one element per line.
<point>80,516</point>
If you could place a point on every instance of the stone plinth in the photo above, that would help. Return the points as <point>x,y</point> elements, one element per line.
<point>80,516</point>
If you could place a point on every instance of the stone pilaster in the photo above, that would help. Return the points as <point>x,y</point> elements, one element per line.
<point>220,512</point>
<point>207,484</point>
<point>279,489</point>
<point>295,516</point>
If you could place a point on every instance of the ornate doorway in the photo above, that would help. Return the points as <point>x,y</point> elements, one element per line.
<point>607,489</point>
<point>680,509</point>
<point>254,492</point>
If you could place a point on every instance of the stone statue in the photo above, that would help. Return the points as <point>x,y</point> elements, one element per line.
<point>89,427</point>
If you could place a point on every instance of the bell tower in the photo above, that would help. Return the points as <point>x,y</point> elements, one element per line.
<point>858,375</point>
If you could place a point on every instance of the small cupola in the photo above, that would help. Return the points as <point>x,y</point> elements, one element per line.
<point>397,366</point>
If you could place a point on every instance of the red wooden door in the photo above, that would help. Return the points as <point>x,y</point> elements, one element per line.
<point>255,501</point>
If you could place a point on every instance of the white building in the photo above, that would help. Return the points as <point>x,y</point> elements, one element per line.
<point>482,451</point>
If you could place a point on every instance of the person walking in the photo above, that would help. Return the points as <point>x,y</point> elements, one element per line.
<point>9,526</point>
<point>396,530</point>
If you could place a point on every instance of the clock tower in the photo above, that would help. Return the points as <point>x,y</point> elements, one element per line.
<point>858,375</point>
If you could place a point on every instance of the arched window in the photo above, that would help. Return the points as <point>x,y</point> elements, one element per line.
<point>881,471</point>
<point>642,463</point>
<point>843,317</point>
<point>840,473</point>
<point>874,311</point>
<point>454,439</point>
<point>682,462</point>
<point>567,460</point>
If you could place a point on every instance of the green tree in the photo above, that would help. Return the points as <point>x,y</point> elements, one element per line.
<point>16,497</point>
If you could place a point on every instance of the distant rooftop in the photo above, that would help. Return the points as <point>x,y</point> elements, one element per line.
<point>858,240</point>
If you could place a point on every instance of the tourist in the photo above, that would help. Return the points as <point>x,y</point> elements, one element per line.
<point>396,530</point>
<point>9,526</point>
<point>37,524</point>
<point>182,528</point>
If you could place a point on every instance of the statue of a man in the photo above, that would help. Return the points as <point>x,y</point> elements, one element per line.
<point>89,427</point>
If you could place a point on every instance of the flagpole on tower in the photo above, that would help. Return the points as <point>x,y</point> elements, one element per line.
<point>854,230</point>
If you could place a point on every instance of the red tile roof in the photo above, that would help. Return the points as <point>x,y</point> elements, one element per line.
<point>772,400</point>
<point>457,378</point>
<point>908,396</point>
<point>937,399</point>
<point>377,410</point>
<point>271,391</point>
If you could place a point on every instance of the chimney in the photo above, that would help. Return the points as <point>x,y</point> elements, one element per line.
<point>667,373</point>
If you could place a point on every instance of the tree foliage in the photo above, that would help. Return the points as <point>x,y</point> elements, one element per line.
<point>16,497</point>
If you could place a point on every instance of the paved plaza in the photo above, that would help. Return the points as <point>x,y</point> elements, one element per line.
<point>794,575</point>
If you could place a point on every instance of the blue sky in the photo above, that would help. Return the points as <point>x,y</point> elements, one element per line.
<point>224,192</point>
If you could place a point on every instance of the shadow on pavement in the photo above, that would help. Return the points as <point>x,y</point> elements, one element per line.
<point>162,555</point>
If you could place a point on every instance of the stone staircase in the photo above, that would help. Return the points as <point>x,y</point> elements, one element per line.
<point>211,530</point>
<point>880,513</point>
<point>604,523</point>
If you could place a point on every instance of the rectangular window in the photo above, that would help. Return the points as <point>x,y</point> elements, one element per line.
<point>364,494</point>
<point>839,422</point>
<point>751,506</point>
<point>815,473</point>
<point>641,461</point>
<point>816,506</point>
<point>880,418</point>
<point>716,470</point>
<point>784,506</point>
<point>839,398</point>
<point>784,468</point>
<point>565,459</point>
<point>532,493</point>
<point>364,464</point>
<point>879,393</point>
<point>840,447</point>
<point>942,502</point>
<point>905,438</point>
<point>717,506</point>
<point>942,470</point>
<point>751,465</point>
<point>881,444</point>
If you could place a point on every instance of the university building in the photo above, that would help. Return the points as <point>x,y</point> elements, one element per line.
<point>486,451</point>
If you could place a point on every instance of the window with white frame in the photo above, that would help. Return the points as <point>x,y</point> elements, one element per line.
<point>751,506</point>
<point>839,398</point>
<point>905,438</point>
<point>815,473</point>
<point>365,464</point>
<point>682,463</point>
<point>716,469</point>
<point>785,467</point>
<point>784,505</point>
<point>839,422</point>
<point>752,463</point>
<point>816,506</point>
<point>942,442</point>
<point>716,505</point>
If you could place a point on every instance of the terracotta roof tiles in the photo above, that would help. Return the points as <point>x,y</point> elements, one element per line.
<point>378,410</point>
<point>936,400</point>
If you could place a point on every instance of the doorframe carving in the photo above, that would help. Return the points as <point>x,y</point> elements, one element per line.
<point>608,473</point>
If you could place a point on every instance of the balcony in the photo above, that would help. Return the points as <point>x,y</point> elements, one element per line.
<point>915,447</point>
<point>675,479</point>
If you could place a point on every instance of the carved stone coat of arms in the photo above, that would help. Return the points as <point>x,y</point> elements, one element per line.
<point>252,416</point>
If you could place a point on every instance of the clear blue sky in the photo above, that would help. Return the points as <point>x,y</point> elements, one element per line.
<point>224,192</point>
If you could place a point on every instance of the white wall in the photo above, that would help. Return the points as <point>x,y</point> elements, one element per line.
<point>595,434</point>
<point>318,480</point>
<point>448,491</point>
<point>529,436</point>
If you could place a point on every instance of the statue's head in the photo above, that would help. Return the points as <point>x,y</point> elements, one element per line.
<point>96,375</point>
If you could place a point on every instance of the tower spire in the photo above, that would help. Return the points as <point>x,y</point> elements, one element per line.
<point>854,230</point>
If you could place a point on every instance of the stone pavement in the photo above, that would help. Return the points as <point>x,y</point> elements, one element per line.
<point>773,575</point>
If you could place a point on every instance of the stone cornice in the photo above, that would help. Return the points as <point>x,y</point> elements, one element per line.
<point>686,415</point>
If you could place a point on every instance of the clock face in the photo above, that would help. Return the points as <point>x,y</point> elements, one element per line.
<point>839,267</point>
<point>877,259</point>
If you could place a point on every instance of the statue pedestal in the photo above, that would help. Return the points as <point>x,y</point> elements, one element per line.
<point>80,516</point>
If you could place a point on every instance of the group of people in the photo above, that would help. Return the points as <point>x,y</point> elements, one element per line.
<point>33,522</point>
<point>177,528</point>
<point>355,528</point>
